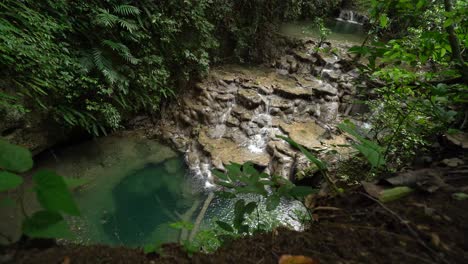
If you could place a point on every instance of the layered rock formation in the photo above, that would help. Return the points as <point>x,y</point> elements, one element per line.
<point>235,114</point>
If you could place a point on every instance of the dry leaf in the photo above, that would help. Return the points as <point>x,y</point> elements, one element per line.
<point>66,260</point>
<point>290,259</point>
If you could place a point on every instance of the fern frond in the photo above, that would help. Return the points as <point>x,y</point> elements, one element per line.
<point>106,19</point>
<point>86,62</point>
<point>126,10</point>
<point>105,66</point>
<point>122,50</point>
<point>129,25</point>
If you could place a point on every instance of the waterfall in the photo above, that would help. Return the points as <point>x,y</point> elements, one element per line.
<point>220,128</point>
<point>352,17</point>
<point>258,142</point>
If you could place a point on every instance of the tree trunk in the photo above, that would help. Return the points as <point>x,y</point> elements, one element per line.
<point>454,43</point>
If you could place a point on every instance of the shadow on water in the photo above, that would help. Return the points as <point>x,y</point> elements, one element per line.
<point>146,202</point>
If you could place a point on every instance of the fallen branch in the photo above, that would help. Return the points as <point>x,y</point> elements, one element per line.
<point>201,215</point>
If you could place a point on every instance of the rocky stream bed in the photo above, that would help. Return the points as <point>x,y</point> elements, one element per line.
<point>235,114</point>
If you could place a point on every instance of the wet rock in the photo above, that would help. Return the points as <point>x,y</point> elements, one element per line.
<point>229,151</point>
<point>281,146</point>
<point>324,88</point>
<point>282,72</point>
<point>249,98</point>
<point>307,134</point>
<point>331,75</point>
<point>281,165</point>
<point>453,162</point>
<point>292,92</point>
<point>242,113</point>
<point>280,103</point>
<point>225,97</point>
<point>232,121</point>
<point>329,112</point>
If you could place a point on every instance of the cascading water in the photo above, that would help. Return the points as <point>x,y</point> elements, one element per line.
<point>257,143</point>
<point>351,16</point>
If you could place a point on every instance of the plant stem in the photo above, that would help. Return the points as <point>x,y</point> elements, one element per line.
<point>7,238</point>
<point>400,124</point>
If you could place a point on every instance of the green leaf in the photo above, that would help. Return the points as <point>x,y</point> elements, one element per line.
<point>234,170</point>
<point>394,194</point>
<point>372,151</point>
<point>226,184</point>
<point>220,175</point>
<point>460,196</point>
<point>9,181</point>
<point>182,225</point>
<point>249,169</point>
<point>302,191</point>
<point>250,207</point>
<point>14,158</point>
<point>320,164</point>
<point>53,194</point>
<point>272,202</point>
<point>46,224</point>
<point>383,20</point>
<point>225,226</point>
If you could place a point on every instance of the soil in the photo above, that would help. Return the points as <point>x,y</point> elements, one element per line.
<point>355,228</point>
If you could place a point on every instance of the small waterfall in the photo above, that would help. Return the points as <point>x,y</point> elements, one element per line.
<point>220,129</point>
<point>258,142</point>
<point>351,17</point>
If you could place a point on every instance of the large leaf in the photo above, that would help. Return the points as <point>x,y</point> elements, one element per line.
<point>272,202</point>
<point>371,150</point>
<point>46,224</point>
<point>220,175</point>
<point>9,181</point>
<point>225,226</point>
<point>14,158</point>
<point>234,170</point>
<point>320,164</point>
<point>250,207</point>
<point>53,194</point>
<point>302,191</point>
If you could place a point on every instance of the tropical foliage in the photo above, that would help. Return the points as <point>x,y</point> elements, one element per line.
<point>91,64</point>
<point>51,191</point>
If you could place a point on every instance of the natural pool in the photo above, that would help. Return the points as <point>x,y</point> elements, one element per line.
<point>132,189</point>
<point>341,31</point>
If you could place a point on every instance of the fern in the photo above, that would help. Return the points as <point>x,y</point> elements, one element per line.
<point>105,66</point>
<point>129,25</point>
<point>121,49</point>
<point>126,10</point>
<point>106,19</point>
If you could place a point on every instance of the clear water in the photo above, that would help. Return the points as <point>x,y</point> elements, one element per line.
<point>139,208</point>
<point>341,31</point>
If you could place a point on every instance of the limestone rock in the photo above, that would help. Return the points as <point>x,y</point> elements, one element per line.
<point>292,92</point>
<point>249,98</point>
<point>229,151</point>
<point>307,134</point>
